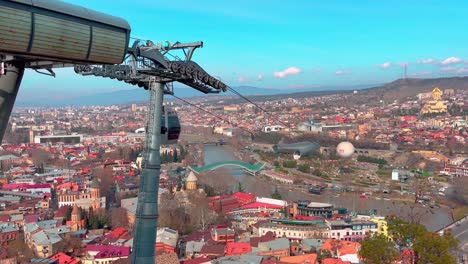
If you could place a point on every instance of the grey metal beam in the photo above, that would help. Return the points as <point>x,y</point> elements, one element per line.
<point>147,207</point>
<point>9,87</point>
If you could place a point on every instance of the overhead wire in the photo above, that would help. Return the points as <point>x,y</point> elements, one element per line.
<point>258,106</point>
<point>210,113</point>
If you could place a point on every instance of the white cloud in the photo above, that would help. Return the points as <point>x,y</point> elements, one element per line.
<point>451,60</point>
<point>385,65</point>
<point>259,77</point>
<point>462,70</point>
<point>447,69</point>
<point>426,61</point>
<point>342,72</point>
<point>242,79</point>
<point>289,71</point>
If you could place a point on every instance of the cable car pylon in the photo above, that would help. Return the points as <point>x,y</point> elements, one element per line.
<point>148,66</point>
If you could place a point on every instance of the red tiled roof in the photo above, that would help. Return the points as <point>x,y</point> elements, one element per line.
<point>62,258</point>
<point>62,211</point>
<point>344,247</point>
<point>303,217</point>
<point>269,236</point>
<point>10,186</point>
<point>31,219</point>
<point>107,251</point>
<point>243,198</point>
<point>260,205</point>
<point>237,248</point>
<point>217,250</point>
<point>306,258</point>
<point>118,232</point>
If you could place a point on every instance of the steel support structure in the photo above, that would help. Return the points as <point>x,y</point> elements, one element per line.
<point>10,81</point>
<point>146,218</point>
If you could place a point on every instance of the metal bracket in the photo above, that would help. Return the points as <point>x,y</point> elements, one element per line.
<point>51,72</point>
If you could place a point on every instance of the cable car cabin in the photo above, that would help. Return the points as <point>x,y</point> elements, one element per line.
<point>52,30</point>
<point>170,126</point>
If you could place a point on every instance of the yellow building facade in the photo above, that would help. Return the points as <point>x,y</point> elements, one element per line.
<point>436,105</point>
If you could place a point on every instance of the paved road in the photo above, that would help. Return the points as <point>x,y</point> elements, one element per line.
<point>460,232</point>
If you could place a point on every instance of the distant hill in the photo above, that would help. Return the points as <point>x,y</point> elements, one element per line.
<point>403,88</point>
<point>141,95</point>
<point>396,90</point>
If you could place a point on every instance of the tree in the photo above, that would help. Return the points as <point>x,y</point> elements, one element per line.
<point>201,215</point>
<point>240,187</point>
<point>420,186</point>
<point>276,194</point>
<point>106,184</point>
<point>96,220</point>
<point>460,193</point>
<point>378,249</point>
<point>221,180</point>
<point>119,218</point>
<point>317,172</point>
<point>181,152</point>
<point>304,168</point>
<point>39,156</point>
<point>69,244</point>
<point>428,247</point>
<point>289,163</point>
<point>276,164</point>
<point>434,248</point>
<point>67,215</point>
<point>18,248</point>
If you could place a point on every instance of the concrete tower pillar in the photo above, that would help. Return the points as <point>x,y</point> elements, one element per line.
<point>10,81</point>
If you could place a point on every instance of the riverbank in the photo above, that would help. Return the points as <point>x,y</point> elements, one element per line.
<point>432,218</point>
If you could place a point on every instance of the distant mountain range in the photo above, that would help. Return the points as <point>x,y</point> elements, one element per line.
<point>138,95</point>
<point>403,88</point>
<point>395,90</point>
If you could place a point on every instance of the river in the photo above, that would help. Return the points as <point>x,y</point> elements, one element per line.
<point>433,219</point>
<point>212,154</point>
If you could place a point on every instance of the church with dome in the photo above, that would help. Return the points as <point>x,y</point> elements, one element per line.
<point>191,183</point>
<point>436,105</point>
<point>76,223</point>
<point>85,199</point>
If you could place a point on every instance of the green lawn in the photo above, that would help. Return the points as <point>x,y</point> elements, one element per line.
<point>460,212</point>
<point>384,173</point>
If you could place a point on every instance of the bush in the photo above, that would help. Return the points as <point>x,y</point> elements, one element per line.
<point>368,159</point>
<point>289,164</point>
<point>304,168</point>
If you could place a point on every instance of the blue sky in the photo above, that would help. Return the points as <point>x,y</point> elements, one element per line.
<point>291,44</point>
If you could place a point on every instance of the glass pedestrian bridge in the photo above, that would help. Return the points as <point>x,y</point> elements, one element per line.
<point>250,168</point>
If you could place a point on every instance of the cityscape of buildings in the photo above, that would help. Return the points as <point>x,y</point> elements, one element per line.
<point>70,178</point>
<point>301,148</point>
